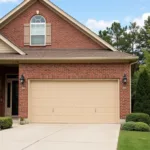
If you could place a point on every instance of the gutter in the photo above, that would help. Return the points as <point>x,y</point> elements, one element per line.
<point>134,63</point>
<point>72,58</point>
<point>67,61</point>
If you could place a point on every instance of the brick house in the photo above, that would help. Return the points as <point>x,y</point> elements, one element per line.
<point>55,70</point>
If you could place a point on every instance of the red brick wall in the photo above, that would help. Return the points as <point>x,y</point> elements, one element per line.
<point>64,35</point>
<point>75,71</point>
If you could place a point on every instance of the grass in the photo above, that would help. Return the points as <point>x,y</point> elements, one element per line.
<point>134,140</point>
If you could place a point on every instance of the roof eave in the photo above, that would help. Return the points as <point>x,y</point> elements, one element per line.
<point>70,60</point>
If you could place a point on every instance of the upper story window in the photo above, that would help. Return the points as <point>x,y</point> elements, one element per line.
<point>38,31</point>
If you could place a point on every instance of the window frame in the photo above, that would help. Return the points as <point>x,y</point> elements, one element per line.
<point>31,23</point>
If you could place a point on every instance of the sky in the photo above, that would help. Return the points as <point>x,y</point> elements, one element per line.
<point>96,14</point>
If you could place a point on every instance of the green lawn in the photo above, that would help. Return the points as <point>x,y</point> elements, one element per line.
<point>134,140</point>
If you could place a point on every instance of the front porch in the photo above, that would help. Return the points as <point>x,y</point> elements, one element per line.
<point>9,90</point>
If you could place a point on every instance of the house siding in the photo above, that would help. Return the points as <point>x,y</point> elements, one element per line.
<point>75,71</point>
<point>64,35</point>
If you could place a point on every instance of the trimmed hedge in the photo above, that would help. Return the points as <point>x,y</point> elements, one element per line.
<point>6,122</point>
<point>129,126</point>
<point>140,126</point>
<point>138,117</point>
<point>136,126</point>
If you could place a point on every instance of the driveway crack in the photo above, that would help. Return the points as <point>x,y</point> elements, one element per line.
<point>37,141</point>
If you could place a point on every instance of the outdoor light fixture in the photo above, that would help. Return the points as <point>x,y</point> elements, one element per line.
<point>22,79</point>
<point>124,80</point>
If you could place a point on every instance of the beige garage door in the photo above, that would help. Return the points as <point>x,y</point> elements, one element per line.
<point>73,101</point>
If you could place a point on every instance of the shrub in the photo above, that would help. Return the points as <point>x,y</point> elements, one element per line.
<point>138,117</point>
<point>129,126</point>
<point>136,126</point>
<point>140,126</point>
<point>5,122</point>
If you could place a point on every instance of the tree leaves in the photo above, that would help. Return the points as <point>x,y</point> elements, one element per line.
<point>130,39</point>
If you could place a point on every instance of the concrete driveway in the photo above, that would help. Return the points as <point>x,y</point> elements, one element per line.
<point>60,137</point>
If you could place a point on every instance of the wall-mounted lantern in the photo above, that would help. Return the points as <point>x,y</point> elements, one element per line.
<point>22,79</point>
<point>124,80</point>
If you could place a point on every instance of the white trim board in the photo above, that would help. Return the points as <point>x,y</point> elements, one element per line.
<point>11,45</point>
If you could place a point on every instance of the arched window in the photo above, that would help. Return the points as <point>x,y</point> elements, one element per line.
<point>38,31</point>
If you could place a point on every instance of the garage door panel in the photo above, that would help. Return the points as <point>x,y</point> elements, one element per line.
<point>83,111</point>
<point>69,103</point>
<point>71,111</point>
<point>37,111</point>
<point>98,99</point>
<point>53,103</point>
<point>44,93</point>
<point>74,101</point>
<point>95,103</point>
<point>76,119</point>
<point>106,110</point>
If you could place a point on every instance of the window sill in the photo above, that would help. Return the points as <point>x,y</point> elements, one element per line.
<point>37,45</point>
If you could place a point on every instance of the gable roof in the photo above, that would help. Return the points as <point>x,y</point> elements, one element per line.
<point>64,15</point>
<point>15,48</point>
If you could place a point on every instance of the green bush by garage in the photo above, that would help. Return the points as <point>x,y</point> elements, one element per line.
<point>5,122</point>
<point>138,117</point>
<point>136,126</point>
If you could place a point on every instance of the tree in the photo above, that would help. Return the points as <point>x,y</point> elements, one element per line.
<point>131,39</point>
<point>144,36</point>
<point>132,36</point>
<point>146,64</point>
<point>134,82</point>
<point>117,34</point>
<point>105,36</point>
<point>142,96</point>
<point>147,30</point>
<point>139,70</point>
